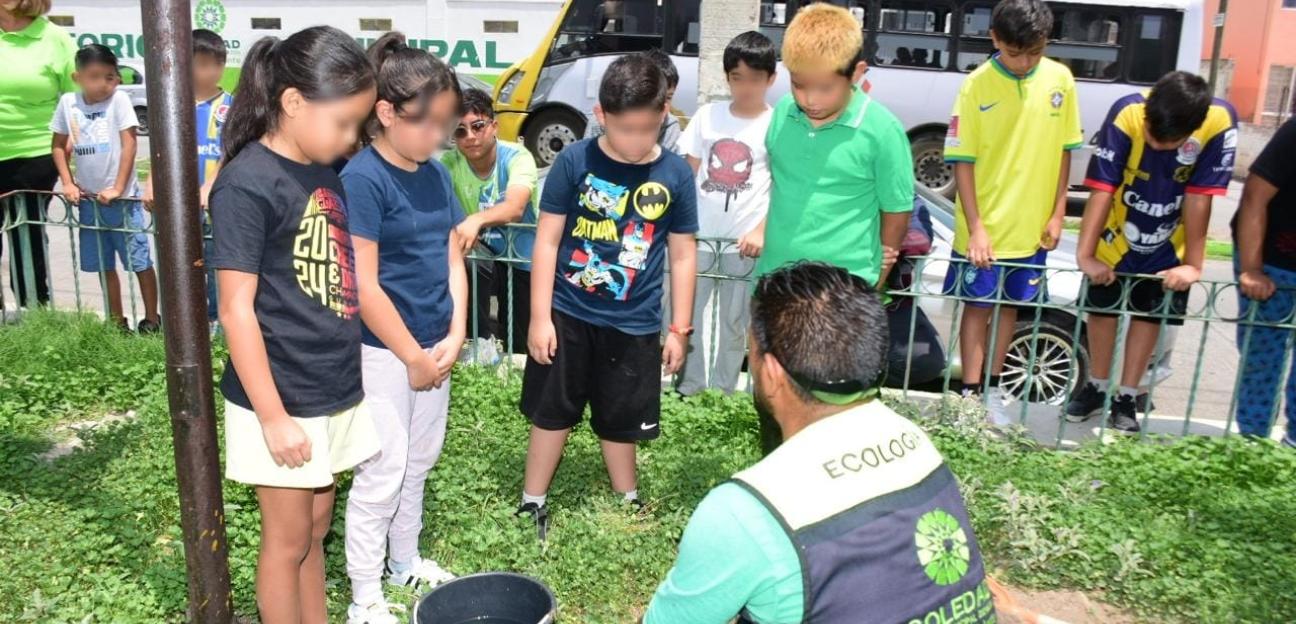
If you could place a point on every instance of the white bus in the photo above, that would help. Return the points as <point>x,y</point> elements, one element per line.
<point>919,53</point>
<point>479,37</point>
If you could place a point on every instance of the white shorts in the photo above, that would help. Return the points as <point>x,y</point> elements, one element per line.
<point>338,443</point>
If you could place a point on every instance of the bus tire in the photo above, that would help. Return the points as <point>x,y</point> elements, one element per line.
<point>550,132</point>
<point>141,113</point>
<point>930,169</point>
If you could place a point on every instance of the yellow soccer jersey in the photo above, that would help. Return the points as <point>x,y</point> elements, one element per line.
<point>1015,130</point>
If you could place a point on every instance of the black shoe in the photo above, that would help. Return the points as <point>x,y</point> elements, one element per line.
<point>539,513</point>
<point>123,326</point>
<point>1124,416</point>
<point>636,505</point>
<point>1143,404</point>
<point>146,326</point>
<point>1085,403</point>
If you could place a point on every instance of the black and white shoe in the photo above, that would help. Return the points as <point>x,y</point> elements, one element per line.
<point>1124,416</point>
<point>538,513</point>
<point>1085,403</point>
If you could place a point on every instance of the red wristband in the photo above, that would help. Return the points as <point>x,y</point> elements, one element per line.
<point>682,331</point>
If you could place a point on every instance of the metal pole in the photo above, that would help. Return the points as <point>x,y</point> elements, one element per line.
<point>1219,41</point>
<point>173,143</point>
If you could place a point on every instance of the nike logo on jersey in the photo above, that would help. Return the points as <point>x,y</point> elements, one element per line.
<point>647,427</point>
<point>988,106</point>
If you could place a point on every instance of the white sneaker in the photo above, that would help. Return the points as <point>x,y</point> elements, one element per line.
<point>997,409</point>
<point>486,352</point>
<point>376,613</point>
<point>421,572</point>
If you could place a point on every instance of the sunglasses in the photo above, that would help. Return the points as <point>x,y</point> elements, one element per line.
<point>475,127</point>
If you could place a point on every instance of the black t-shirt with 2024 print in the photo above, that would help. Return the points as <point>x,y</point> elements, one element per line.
<point>287,223</point>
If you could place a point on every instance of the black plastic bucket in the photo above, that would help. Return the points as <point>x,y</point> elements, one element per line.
<point>488,598</point>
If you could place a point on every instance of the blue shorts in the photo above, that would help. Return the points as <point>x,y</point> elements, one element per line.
<point>1019,283</point>
<point>101,237</point>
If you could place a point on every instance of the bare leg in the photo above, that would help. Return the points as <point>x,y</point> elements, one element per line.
<point>286,533</point>
<point>620,460</point>
<point>972,342</point>
<point>543,454</point>
<point>1139,344</point>
<point>148,284</point>
<point>1003,337</point>
<point>112,288</point>
<point>311,575</point>
<point>1102,341</point>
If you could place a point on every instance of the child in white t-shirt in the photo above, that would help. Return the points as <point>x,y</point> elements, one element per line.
<point>725,145</point>
<point>95,131</point>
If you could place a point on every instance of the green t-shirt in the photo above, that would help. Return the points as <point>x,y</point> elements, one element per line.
<point>734,555</point>
<point>832,184</point>
<point>38,64</point>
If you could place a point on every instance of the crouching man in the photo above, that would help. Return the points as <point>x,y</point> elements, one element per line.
<point>855,517</point>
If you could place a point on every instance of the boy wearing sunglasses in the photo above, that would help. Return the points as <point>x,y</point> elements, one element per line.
<point>495,181</point>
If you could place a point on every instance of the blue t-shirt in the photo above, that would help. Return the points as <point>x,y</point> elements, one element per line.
<point>410,215</point>
<point>210,116</point>
<point>613,251</point>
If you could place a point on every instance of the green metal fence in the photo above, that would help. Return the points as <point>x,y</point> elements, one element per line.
<point>1192,386</point>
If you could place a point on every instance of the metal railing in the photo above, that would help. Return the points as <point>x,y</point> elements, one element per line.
<point>1193,384</point>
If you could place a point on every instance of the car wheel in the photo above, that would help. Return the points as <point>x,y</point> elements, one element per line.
<point>930,169</point>
<point>142,114</point>
<point>551,132</point>
<point>1057,367</point>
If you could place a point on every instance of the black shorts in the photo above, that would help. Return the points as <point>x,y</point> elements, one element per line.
<point>1147,300</point>
<point>616,374</point>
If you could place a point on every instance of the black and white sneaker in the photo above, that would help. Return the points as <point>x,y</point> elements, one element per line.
<point>538,513</point>
<point>1124,416</point>
<point>1085,404</point>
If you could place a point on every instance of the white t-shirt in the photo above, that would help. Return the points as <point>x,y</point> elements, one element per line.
<point>94,138</point>
<point>733,179</point>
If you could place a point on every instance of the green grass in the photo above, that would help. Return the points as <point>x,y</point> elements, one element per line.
<point>1196,530</point>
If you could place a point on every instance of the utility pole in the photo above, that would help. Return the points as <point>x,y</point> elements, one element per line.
<point>1215,46</point>
<point>722,20</point>
<point>173,152</point>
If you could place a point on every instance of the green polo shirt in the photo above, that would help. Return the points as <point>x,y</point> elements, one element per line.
<point>832,184</point>
<point>38,64</point>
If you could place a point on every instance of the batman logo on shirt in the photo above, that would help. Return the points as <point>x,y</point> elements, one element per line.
<point>651,200</point>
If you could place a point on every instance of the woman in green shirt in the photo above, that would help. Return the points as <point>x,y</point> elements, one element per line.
<point>37,60</point>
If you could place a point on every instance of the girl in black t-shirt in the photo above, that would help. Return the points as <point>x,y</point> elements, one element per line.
<point>294,414</point>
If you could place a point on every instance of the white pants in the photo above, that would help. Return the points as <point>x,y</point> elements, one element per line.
<point>720,314</point>
<point>385,507</point>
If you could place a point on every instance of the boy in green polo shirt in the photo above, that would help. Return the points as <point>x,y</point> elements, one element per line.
<point>842,170</point>
<point>1014,122</point>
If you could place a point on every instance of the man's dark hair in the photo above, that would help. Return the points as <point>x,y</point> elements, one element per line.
<point>632,82</point>
<point>95,54</point>
<point>667,66</point>
<point>1177,106</point>
<point>1022,24</point>
<point>209,43</point>
<point>826,327</point>
<point>752,49</point>
<point>478,102</point>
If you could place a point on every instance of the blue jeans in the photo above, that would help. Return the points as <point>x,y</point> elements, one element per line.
<point>104,237</point>
<point>213,311</point>
<point>1267,350</point>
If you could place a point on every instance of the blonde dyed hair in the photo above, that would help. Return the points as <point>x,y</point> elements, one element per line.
<point>822,37</point>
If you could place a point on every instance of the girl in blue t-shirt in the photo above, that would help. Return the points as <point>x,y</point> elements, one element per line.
<point>294,411</point>
<point>413,301</point>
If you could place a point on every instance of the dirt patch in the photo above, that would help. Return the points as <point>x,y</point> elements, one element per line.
<point>67,437</point>
<point>1020,606</point>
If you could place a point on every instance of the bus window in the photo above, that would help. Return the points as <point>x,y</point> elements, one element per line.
<point>1088,41</point>
<point>685,27</point>
<point>857,8</point>
<point>773,22</point>
<point>913,33</point>
<point>1154,46</point>
<point>595,27</point>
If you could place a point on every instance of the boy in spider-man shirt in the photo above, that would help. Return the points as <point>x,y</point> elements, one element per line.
<point>725,145</point>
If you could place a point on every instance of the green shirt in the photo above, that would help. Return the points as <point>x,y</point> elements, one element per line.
<point>734,555</point>
<point>38,64</point>
<point>832,183</point>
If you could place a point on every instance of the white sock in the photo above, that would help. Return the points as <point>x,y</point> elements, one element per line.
<point>632,494</point>
<point>1129,391</point>
<point>1100,384</point>
<point>365,594</point>
<point>399,566</point>
<point>538,500</point>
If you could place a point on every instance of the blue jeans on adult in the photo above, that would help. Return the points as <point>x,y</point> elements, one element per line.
<point>1265,351</point>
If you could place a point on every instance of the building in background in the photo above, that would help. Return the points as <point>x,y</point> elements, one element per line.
<point>478,37</point>
<point>1258,58</point>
